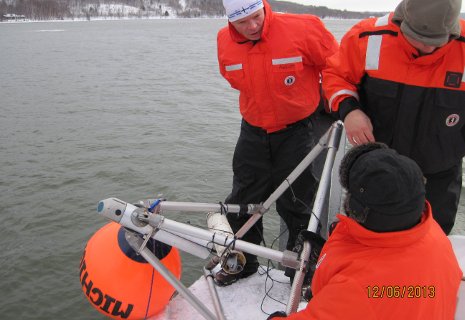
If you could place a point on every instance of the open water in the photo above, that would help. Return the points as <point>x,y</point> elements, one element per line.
<point>91,110</point>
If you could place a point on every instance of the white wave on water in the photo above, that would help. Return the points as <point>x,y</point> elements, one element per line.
<point>51,30</point>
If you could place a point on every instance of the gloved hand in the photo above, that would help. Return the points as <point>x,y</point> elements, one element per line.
<point>277,314</point>
<point>316,243</point>
<point>332,226</point>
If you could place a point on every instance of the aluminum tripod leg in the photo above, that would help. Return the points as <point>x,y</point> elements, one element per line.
<point>128,216</point>
<point>333,144</point>
<point>206,207</point>
<point>336,192</point>
<point>136,243</point>
<point>311,156</point>
<point>214,294</point>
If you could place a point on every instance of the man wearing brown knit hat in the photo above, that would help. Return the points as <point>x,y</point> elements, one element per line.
<point>399,79</point>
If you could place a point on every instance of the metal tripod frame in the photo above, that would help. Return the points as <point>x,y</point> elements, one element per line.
<point>200,242</point>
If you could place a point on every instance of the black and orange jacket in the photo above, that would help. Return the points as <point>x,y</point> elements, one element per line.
<point>361,274</point>
<point>278,76</point>
<point>416,103</point>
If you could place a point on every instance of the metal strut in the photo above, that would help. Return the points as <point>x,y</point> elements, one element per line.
<point>199,242</point>
<point>138,245</point>
<point>311,156</point>
<point>323,188</point>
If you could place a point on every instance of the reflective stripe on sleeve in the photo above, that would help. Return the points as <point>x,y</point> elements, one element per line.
<point>340,93</point>
<point>234,67</point>
<point>463,77</point>
<point>382,21</point>
<point>286,60</point>
<point>373,52</point>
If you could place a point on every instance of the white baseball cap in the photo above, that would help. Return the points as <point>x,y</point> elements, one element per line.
<point>238,9</point>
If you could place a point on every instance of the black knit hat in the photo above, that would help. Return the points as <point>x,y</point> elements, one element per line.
<point>384,186</point>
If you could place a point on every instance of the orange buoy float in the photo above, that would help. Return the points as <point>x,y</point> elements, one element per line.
<point>118,282</point>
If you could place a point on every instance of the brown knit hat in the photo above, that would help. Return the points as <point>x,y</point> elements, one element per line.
<point>432,22</point>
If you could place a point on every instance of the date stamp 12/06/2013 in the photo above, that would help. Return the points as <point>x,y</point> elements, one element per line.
<point>400,292</point>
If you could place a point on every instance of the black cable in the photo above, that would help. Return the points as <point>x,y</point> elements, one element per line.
<point>268,276</point>
<point>267,291</point>
<point>223,208</point>
<point>295,199</point>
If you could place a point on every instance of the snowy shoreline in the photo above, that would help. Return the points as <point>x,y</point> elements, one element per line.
<point>129,18</point>
<point>106,19</point>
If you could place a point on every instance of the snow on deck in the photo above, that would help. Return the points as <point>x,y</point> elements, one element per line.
<point>241,300</point>
<point>458,243</point>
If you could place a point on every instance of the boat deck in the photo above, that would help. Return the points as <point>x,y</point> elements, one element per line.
<point>256,297</point>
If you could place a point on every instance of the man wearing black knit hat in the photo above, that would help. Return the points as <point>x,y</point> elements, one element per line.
<point>385,190</point>
<point>388,258</point>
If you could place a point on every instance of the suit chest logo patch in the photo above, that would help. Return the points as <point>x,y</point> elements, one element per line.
<point>453,79</point>
<point>289,81</point>
<point>452,120</point>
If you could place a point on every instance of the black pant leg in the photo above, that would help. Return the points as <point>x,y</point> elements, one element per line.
<point>443,192</point>
<point>251,183</point>
<point>289,148</point>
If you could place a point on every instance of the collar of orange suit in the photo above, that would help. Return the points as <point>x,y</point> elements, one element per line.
<point>386,239</point>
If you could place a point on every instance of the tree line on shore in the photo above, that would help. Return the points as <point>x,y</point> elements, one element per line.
<point>88,9</point>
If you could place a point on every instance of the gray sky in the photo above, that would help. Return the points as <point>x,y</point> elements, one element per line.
<point>354,5</point>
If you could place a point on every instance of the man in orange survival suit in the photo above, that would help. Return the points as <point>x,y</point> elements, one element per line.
<point>388,258</point>
<point>275,61</point>
<point>400,80</point>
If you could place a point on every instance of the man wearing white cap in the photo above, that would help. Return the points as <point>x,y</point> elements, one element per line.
<point>275,61</point>
<point>400,79</point>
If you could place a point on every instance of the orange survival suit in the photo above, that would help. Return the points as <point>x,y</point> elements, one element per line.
<point>278,76</point>
<point>416,104</point>
<point>411,274</point>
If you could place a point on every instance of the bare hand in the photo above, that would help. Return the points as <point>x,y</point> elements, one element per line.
<point>358,128</point>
